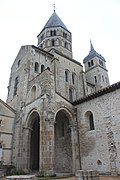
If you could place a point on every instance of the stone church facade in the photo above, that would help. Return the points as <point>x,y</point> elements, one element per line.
<point>59,118</point>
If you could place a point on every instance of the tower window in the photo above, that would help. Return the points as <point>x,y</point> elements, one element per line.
<point>95,79</point>
<point>89,64</point>
<point>103,78</point>
<point>65,44</point>
<point>66,75</point>
<point>15,86</point>
<point>65,35</point>
<point>73,78</point>
<point>42,37</point>
<point>51,33</point>
<point>53,42</point>
<point>92,63</point>
<point>19,62</point>
<point>70,95</point>
<point>100,62</point>
<point>41,46</point>
<point>54,32</point>
<point>48,68</point>
<point>42,68</point>
<point>36,67</point>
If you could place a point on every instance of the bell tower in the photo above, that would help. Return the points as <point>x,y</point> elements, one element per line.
<point>95,69</point>
<point>55,35</point>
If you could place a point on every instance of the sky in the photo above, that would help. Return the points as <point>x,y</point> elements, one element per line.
<point>22,20</point>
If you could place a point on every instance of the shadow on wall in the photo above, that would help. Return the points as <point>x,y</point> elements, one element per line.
<point>87,144</point>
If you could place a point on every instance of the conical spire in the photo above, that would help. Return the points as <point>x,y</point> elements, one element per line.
<point>92,54</point>
<point>54,21</point>
<point>91,46</point>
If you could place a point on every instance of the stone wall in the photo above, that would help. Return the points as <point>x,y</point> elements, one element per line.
<point>100,147</point>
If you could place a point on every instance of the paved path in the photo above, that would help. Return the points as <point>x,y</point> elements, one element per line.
<point>101,178</point>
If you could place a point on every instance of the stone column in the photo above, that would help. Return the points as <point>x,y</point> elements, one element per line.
<point>47,145</point>
<point>75,155</point>
<point>26,149</point>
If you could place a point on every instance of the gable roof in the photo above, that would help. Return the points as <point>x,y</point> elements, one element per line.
<point>7,106</point>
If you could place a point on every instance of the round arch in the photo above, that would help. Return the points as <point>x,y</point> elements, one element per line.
<point>63,141</point>
<point>66,111</point>
<point>33,122</point>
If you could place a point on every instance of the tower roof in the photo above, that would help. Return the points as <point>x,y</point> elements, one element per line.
<point>92,54</point>
<point>54,21</point>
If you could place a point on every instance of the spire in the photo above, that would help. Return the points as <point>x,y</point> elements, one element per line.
<point>91,46</point>
<point>54,21</point>
<point>92,54</point>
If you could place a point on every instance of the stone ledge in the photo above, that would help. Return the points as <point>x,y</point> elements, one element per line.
<point>21,177</point>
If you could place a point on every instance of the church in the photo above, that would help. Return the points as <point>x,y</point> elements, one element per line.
<point>59,116</point>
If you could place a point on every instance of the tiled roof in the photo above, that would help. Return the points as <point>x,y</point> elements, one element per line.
<point>99,93</point>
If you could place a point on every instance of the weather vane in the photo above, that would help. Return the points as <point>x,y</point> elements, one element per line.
<point>54,7</point>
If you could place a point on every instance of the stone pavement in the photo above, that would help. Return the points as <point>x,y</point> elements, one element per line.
<point>101,178</point>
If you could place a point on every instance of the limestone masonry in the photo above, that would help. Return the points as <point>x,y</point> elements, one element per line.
<point>59,118</point>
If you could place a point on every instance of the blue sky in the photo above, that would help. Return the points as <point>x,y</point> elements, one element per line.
<point>98,20</point>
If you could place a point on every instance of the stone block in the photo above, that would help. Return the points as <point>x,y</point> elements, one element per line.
<point>87,175</point>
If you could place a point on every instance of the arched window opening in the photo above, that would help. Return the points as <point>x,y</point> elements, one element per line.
<point>48,68</point>
<point>42,68</point>
<point>36,67</point>
<point>92,63</point>
<point>15,86</point>
<point>53,42</point>
<point>41,45</point>
<point>54,32</point>
<point>70,95</point>
<point>95,79</point>
<point>66,75</point>
<point>65,44</point>
<point>33,93</point>
<point>91,121</point>
<point>103,78</point>
<point>19,62</point>
<point>0,152</point>
<point>73,78</point>
<point>51,33</point>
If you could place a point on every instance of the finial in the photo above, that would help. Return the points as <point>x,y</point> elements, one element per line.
<point>54,7</point>
<point>91,46</point>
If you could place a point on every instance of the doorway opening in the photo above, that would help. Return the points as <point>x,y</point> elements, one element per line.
<point>35,142</point>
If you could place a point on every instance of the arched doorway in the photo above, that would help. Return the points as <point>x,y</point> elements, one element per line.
<point>63,144</point>
<point>34,141</point>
